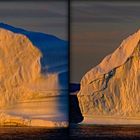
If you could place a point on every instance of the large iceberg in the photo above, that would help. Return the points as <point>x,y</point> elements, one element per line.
<point>110,92</point>
<point>33,78</point>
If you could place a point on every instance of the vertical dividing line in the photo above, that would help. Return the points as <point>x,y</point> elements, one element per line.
<point>69,45</point>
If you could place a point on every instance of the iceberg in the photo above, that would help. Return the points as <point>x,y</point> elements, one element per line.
<point>33,78</point>
<point>110,92</point>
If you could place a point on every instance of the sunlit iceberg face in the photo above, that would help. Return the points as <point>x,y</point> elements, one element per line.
<point>33,87</point>
<point>113,93</point>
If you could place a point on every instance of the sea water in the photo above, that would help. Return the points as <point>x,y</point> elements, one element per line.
<point>105,132</point>
<point>33,133</point>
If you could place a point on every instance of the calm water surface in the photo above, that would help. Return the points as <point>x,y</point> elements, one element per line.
<point>98,132</point>
<point>32,133</point>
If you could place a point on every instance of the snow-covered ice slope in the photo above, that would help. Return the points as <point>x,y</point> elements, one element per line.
<point>114,60</point>
<point>33,78</point>
<point>111,90</point>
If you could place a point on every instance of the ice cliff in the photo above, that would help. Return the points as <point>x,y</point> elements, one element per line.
<point>111,90</point>
<point>33,77</point>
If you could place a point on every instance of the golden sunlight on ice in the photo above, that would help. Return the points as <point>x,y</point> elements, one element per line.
<point>110,92</point>
<point>24,90</point>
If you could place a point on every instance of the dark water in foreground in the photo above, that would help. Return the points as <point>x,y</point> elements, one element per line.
<point>76,132</point>
<point>93,132</point>
<point>28,133</point>
<point>98,132</point>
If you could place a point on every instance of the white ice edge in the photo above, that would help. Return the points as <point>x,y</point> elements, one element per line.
<point>110,121</point>
<point>9,120</point>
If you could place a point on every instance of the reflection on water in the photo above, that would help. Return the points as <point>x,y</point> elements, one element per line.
<point>96,132</point>
<point>32,133</point>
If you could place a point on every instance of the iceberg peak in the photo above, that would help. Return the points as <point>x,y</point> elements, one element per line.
<point>116,59</point>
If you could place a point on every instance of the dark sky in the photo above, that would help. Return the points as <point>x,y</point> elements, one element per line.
<point>97,29</point>
<point>49,17</point>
